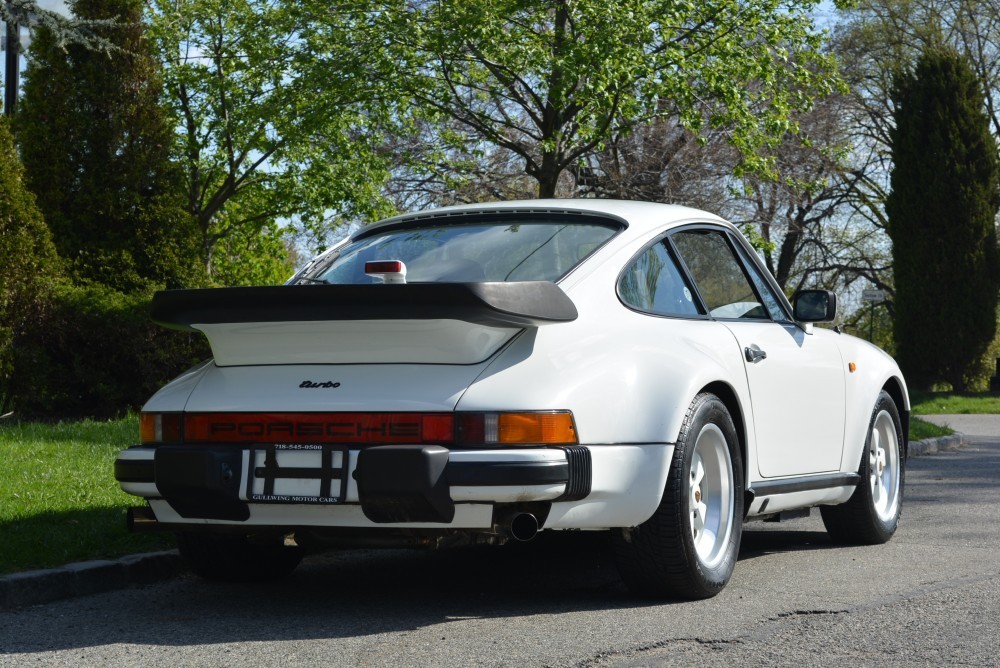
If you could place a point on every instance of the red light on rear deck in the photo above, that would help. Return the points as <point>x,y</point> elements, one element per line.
<point>384,267</point>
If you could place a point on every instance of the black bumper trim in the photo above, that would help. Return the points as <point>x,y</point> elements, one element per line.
<point>581,473</point>
<point>489,474</point>
<point>804,484</point>
<point>134,470</point>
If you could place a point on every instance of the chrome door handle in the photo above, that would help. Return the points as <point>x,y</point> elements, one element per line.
<point>754,353</point>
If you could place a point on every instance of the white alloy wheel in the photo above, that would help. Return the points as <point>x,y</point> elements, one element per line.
<point>688,548</point>
<point>871,515</point>
<point>711,495</point>
<point>883,466</point>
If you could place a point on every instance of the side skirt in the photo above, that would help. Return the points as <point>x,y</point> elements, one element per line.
<point>770,496</point>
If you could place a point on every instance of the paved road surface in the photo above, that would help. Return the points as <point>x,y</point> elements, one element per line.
<point>930,597</point>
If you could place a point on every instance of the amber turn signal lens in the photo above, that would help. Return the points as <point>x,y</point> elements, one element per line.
<point>147,427</point>
<point>160,427</point>
<point>536,428</point>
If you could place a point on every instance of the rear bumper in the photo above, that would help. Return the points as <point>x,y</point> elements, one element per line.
<point>584,487</point>
<point>391,484</point>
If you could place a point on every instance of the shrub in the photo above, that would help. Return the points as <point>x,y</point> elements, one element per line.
<point>29,262</point>
<point>93,352</point>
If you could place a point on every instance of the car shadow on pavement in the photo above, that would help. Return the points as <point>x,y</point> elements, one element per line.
<point>359,593</point>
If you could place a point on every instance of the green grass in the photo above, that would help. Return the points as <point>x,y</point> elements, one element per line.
<point>59,501</point>
<point>920,429</point>
<point>938,403</point>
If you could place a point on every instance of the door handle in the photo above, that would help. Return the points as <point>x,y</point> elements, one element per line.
<point>754,353</point>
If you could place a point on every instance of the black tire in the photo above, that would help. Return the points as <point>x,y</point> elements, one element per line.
<point>234,558</point>
<point>662,557</point>
<point>871,515</point>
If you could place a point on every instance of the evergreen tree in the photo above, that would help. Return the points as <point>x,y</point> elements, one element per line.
<point>942,221</point>
<point>95,143</point>
<point>29,258</point>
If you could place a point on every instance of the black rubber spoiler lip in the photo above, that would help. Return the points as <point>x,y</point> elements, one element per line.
<point>523,304</point>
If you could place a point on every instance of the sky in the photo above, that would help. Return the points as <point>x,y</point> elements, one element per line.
<point>54,6</point>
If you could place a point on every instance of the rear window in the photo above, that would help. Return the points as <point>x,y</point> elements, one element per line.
<point>497,249</point>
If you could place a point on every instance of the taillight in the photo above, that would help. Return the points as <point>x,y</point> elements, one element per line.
<point>448,429</point>
<point>161,427</point>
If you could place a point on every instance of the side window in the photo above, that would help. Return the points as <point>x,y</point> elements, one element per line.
<point>654,284</point>
<point>763,287</point>
<point>718,276</point>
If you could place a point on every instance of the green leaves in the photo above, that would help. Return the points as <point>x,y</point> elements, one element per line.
<point>269,101</point>
<point>551,82</point>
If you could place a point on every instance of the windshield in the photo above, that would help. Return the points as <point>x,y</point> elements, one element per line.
<point>505,248</point>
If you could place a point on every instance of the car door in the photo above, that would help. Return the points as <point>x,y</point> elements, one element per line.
<point>796,380</point>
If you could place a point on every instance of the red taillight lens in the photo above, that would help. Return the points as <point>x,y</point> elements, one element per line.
<point>383,428</point>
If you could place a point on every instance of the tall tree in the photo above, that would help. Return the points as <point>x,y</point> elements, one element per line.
<point>265,131</point>
<point>942,220</point>
<point>29,258</point>
<point>552,82</point>
<point>95,143</point>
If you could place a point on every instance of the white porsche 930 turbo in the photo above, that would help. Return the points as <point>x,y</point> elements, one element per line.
<point>480,373</point>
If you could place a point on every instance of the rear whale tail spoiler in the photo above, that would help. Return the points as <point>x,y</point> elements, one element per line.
<point>494,304</point>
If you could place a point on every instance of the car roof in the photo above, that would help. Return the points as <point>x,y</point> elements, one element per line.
<point>639,217</point>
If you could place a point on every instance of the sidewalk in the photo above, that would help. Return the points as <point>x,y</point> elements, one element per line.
<point>970,425</point>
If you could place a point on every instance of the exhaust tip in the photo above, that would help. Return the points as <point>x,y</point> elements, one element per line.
<point>523,527</point>
<point>140,519</point>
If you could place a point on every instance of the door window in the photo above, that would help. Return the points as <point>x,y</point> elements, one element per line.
<point>717,274</point>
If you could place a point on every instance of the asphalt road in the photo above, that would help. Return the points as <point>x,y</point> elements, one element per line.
<point>929,597</point>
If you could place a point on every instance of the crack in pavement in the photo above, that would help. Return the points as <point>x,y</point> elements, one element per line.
<point>771,626</point>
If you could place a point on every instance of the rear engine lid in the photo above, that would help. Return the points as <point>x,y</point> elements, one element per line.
<point>331,388</point>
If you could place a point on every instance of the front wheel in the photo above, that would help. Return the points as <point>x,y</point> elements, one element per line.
<point>871,515</point>
<point>236,558</point>
<point>688,548</point>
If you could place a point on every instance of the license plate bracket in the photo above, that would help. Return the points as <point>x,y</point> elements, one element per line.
<point>297,473</point>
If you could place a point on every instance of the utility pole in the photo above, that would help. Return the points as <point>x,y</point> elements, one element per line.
<point>11,67</point>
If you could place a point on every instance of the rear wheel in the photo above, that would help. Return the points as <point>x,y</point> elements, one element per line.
<point>235,558</point>
<point>871,515</point>
<point>688,548</point>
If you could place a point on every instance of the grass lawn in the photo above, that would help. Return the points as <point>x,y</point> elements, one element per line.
<point>949,403</point>
<point>920,429</point>
<point>59,501</point>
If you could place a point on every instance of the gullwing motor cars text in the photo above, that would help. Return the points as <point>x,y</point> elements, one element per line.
<point>480,373</point>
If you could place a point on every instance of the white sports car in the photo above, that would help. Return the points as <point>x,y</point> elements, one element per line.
<point>480,373</point>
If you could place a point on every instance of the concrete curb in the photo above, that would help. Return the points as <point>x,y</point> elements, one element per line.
<point>93,577</point>
<point>86,577</point>
<point>931,446</point>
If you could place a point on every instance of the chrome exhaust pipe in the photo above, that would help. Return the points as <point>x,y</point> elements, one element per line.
<point>140,520</point>
<point>523,527</point>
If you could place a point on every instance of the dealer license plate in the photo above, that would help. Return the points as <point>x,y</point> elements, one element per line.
<point>297,473</point>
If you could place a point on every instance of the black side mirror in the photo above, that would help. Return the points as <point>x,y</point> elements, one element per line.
<point>814,306</point>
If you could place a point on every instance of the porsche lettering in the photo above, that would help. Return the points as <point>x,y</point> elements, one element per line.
<point>317,429</point>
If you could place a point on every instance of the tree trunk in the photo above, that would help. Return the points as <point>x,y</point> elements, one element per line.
<point>548,176</point>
